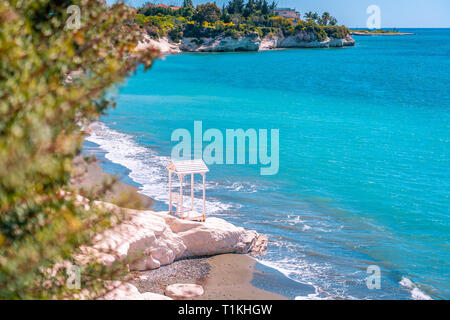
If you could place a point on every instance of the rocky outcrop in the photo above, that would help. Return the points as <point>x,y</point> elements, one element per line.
<point>151,239</point>
<point>251,42</point>
<point>184,290</point>
<point>163,45</point>
<point>301,39</point>
<point>221,44</point>
<point>348,41</point>
<point>268,43</point>
<point>305,40</point>
<point>339,43</point>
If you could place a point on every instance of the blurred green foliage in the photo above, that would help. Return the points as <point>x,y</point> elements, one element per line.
<point>52,82</point>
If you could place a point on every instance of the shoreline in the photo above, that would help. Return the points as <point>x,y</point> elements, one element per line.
<point>122,194</point>
<point>223,276</point>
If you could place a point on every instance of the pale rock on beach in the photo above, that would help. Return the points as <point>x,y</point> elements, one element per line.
<point>146,240</point>
<point>184,290</point>
<point>126,291</point>
<point>154,239</point>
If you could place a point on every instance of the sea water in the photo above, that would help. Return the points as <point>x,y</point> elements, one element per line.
<point>364,173</point>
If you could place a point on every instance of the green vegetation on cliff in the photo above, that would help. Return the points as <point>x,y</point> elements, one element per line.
<point>235,19</point>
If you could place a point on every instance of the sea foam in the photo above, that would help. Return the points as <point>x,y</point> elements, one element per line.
<point>147,168</point>
<point>416,293</point>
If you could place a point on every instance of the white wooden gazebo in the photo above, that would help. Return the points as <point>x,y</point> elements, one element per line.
<point>183,168</point>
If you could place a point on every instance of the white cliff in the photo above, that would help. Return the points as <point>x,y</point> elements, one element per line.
<point>251,42</point>
<point>303,39</point>
<point>163,45</point>
<point>221,44</point>
<point>148,239</point>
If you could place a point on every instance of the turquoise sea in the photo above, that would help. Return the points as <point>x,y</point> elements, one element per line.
<point>364,175</point>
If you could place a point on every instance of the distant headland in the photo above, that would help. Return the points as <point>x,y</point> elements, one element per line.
<point>238,26</point>
<point>379,32</point>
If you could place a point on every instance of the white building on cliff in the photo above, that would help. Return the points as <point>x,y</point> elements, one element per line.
<point>287,13</point>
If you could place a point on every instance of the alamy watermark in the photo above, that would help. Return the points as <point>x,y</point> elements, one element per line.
<point>73,277</point>
<point>74,20</point>
<point>374,280</point>
<point>374,20</point>
<point>231,151</point>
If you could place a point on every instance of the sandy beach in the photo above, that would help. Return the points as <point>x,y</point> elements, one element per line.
<point>92,177</point>
<point>226,276</point>
<point>223,277</point>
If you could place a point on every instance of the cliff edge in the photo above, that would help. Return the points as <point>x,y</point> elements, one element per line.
<point>250,42</point>
<point>149,239</point>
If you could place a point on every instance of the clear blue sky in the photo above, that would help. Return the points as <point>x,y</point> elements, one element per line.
<point>352,13</point>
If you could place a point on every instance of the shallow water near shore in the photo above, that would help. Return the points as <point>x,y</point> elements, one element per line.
<point>364,173</point>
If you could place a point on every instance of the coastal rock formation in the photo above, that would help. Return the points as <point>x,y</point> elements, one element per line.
<point>151,239</point>
<point>348,41</point>
<point>268,43</point>
<point>305,40</point>
<point>213,236</point>
<point>163,45</point>
<point>221,44</point>
<point>260,245</point>
<point>301,39</point>
<point>251,42</point>
<point>184,290</point>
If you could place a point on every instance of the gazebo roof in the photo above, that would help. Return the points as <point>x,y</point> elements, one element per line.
<point>188,166</point>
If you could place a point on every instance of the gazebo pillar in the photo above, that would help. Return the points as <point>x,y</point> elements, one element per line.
<point>181,195</point>
<point>204,178</point>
